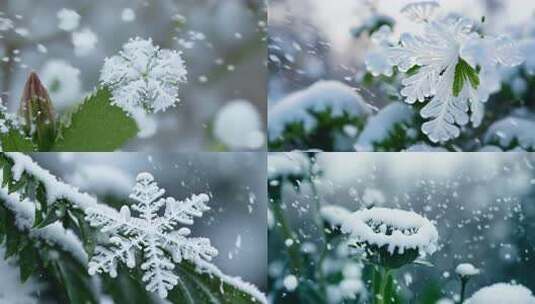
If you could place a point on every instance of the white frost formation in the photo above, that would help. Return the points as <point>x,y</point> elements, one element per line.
<point>408,230</point>
<point>143,76</point>
<point>466,270</point>
<point>502,293</point>
<point>322,95</point>
<point>433,59</point>
<point>153,234</point>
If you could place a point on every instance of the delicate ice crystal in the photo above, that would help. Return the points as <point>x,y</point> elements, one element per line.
<point>144,76</point>
<point>153,234</point>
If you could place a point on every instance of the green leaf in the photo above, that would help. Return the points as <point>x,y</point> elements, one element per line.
<point>76,281</point>
<point>463,73</point>
<point>196,288</point>
<point>15,141</point>
<point>27,261</point>
<point>96,125</point>
<point>55,213</point>
<point>12,237</point>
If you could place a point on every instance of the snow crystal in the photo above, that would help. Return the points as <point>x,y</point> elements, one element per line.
<point>12,291</point>
<point>62,81</point>
<point>281,165</point>
<point>290,282</point>
<point>466,270</point>
<point>378,127</point>
<point>144,76</point>
<point>511,128</point>
<point>84,42</point>
<point>502,293</point>
<point>410,230</point>
<point>437,53</point>
<point>68,20</point>
<point>128,15</point>
<point>420,11</point>
<point>238,125</point>
<point>322,95</point>
<point>152,234</point>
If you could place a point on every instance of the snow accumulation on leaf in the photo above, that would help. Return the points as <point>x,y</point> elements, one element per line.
<point>143,76</point>
<point>284,165</point>
<point>335,96</point>
<point>466,270</point>
<point>508,130</point>
<point>398,230</point>
<point>380,125</point>
<point>452,68</point>
<point>502,293</point>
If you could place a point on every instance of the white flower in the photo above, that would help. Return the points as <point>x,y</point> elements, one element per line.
<point>420,11</point>
<point>84,42</point>
<point>63,82</point>
<point>502,293</point>
<point>397,230</point>
<point>451,67</point>
<point>144,76</point>
<point>68,20</point>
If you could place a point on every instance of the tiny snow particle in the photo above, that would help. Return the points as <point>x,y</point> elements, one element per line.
<point>23,32</point>
<point>143,76</point>
<point>290,282</point>
<point>288,242</point>
<point>128,15</point>
<point>42,49</point>
<point>238,125</point>
<point>63,82</point>
<point>84,42</point>
<point>466,270</point>
<point>68,20</point>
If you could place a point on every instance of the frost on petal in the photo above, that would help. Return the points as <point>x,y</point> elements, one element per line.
<point>420,11</point>
<point>489,52</point>
<point>143,76</point>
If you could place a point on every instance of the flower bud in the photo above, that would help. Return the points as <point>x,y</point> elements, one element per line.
<point>38,113</point>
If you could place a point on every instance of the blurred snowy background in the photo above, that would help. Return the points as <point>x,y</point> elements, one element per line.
<point>483,206</point>
<point>223,44</point>
<point>236,224</point>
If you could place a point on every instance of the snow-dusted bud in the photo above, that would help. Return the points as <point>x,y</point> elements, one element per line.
<point>38,113</point>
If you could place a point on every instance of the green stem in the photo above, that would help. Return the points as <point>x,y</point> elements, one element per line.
<point>282,223</point>
<point>385,272</point>
<point>463,289</point>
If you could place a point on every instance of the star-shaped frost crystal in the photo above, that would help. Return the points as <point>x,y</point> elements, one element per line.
<point>151,236</point>
<point>144,76</point>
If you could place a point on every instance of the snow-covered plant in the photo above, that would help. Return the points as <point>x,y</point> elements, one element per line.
<point>142,80</point>
<point>157,237</point>
<point>144,76</point>
<point>46,224</point>
<point>465,271</point>
<point>318,117</point>
<point>12,290</point>
<point>450,67</point>
<point>502,293</point>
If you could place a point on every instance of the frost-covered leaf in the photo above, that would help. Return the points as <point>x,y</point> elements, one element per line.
<point>96,125</point>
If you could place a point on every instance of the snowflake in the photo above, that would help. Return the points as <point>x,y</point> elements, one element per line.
<point>153,235</point>
<point>450,66</point>
<point>144,76</point>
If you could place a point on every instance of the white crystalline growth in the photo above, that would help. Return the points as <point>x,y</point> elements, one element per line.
<point>322,95</point>
<point>466,270</point>
<point>502,293</point>
<point>409,230</point>
<point>238,125</point>
<point>63,82</point>
<point>281,165</point>
<point>433,58</point>
<point>143,76</point>
<point>156,236</point>
<point>508,129</point>
<point>68,19</point>
<point>12,291</point>
<point>379,126</point>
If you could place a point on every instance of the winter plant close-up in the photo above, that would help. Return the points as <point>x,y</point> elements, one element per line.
<point>401,228</point>
<point>131,75</point>
<point>128,239</point>
<point>401,75</point>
